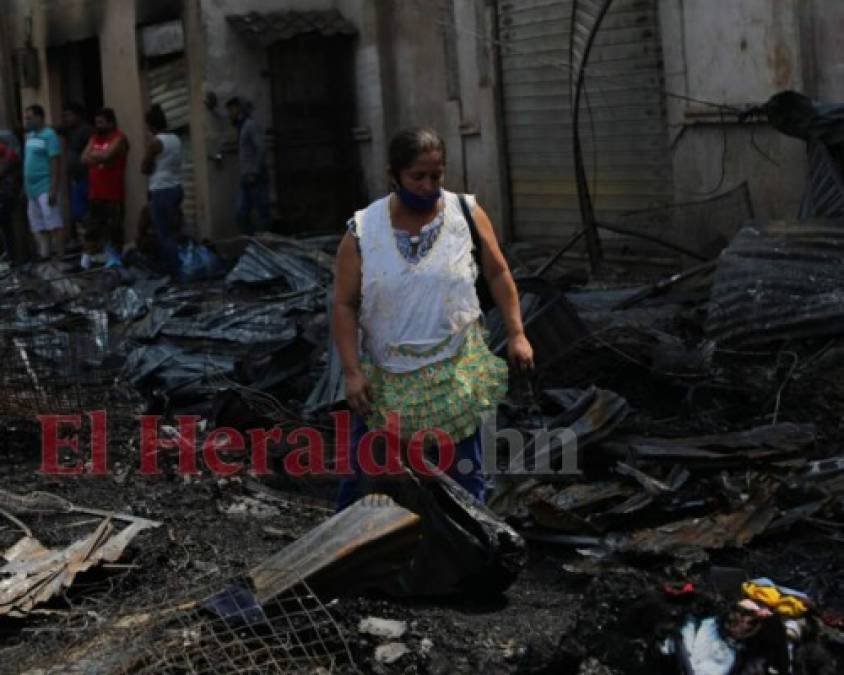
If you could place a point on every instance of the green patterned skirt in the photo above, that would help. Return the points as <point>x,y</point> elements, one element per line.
<point>450,395</point>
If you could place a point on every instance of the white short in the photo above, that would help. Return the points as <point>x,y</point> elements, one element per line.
<point>42,216</point>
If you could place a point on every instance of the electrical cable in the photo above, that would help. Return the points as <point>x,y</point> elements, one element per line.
<point>723,176</point>
<point>757,148</point>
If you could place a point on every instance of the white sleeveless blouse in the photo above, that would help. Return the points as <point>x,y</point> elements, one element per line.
<point>414,314</point>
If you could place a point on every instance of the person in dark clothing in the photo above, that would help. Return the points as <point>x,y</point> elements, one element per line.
<point>254,179</point>
<point>10,189</point>
<point>77,133</point>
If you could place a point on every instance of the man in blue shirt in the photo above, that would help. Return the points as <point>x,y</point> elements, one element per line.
<point>41,176</point>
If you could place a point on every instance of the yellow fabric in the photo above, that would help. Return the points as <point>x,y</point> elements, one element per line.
<point>787,605</point>
<point>450,395</point>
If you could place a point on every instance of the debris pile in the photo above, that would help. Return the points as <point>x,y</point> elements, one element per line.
<point>698,420</point>
<point>714,624</point>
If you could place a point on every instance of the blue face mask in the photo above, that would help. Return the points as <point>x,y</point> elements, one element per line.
<point>416,203</point>
<point>30,125</point>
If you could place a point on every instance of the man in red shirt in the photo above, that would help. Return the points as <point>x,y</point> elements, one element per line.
<point>105,157</point>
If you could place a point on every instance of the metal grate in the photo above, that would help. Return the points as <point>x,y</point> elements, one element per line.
<point>55,362</point>
<point>222,631</point>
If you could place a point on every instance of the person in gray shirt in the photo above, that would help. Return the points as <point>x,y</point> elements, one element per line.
<point>253,193</point>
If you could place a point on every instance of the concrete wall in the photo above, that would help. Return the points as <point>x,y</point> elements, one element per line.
<point>71,20</point>
<point>8,114</point>
<point>416,73</point>
<point>481,124</point>
<point>738,54</point>
<point>822,31</point>
<point>371,113</point>
<point>739,51</point>
<point>19,14</point>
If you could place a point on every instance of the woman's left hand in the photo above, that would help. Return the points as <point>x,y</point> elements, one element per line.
<point>520,353</point>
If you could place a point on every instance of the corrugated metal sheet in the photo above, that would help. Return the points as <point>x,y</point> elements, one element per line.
<point>824,195</point>
<point>623,125</point>
<point>168,87</point>
<point>779,280</point>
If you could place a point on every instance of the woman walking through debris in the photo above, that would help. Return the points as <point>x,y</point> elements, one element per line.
<point>406,279</point>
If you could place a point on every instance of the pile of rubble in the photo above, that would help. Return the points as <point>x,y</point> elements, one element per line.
<point>701,419</point>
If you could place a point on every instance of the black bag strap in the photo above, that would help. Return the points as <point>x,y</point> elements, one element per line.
<point>481,286</point>
<point>473,230</point>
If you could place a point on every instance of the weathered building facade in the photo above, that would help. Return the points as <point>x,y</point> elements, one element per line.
<point>331,80</point>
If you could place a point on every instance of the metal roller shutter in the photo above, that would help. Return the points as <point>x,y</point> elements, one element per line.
<point>168,87</point>
<point>623,124</point>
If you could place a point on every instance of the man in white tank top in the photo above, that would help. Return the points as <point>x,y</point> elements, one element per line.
<point>162,162</point>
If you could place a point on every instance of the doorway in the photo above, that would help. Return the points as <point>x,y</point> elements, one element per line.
<point>319,178</point>
<point>76,75</point>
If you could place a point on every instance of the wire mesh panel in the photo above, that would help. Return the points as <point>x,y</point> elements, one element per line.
<point>54,362</point>
<point>226,631</point>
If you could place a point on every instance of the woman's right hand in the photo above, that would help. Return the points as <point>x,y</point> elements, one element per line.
<point>358,393</point>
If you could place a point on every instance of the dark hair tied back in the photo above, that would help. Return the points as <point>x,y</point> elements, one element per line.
<point>408,144</point>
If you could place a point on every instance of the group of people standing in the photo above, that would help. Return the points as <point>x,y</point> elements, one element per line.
<point>95,175</point>
<point>89,164</point>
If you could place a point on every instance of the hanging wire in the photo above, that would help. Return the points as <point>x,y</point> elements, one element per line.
<point>757,148</point>
<point>723,175</point>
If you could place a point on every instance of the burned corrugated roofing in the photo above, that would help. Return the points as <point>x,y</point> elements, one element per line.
<point>779,280</point>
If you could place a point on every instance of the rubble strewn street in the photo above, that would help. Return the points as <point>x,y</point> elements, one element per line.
<point>422,338</point>
<point>689,459</point>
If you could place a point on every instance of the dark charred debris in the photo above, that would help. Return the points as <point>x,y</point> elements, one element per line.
<point>689,521</point>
